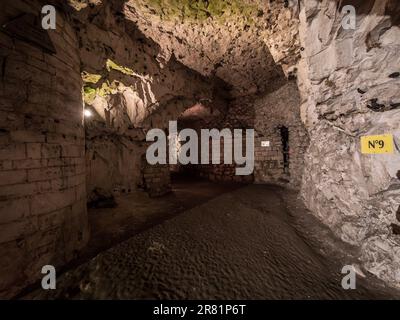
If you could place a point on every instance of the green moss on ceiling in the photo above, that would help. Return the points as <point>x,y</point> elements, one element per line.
<point>89,94</point>
<point>90,77</point>
<point>94,87</point>
<point>104,90</point>
<point>108,88</point>
<point>111,65</point>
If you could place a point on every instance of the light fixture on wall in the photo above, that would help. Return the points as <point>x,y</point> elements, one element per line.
<point>87,113</point>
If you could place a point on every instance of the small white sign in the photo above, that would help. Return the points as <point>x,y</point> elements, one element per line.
<point>265,143</point>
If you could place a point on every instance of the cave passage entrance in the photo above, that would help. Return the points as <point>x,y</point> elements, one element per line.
<point>284,132</point>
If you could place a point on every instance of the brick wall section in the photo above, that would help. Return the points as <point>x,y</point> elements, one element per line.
<point>222,172</point>
<point>157,179</point>
<point>42,167</point>
<point>269,161</point>
<point>265,115</point>
<point>279,108</point>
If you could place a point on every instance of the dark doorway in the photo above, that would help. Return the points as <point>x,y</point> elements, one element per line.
<point>285,147</point>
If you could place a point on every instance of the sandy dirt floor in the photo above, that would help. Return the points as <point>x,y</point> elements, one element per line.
<point>137,212</point>
<point>256,242</point>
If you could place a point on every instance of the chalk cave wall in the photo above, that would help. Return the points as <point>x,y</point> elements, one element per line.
<point>349,88</point>
<point>42,146</point>
<point>129,87</point>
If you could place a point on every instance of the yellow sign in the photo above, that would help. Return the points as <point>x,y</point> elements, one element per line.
<point>377,144</point>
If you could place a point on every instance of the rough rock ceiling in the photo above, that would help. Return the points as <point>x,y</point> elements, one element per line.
<point>238,41</point>
<point>123,80</point>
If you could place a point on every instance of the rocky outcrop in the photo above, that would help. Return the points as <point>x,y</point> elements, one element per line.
<point>126,77</point>
<point>350,89</point>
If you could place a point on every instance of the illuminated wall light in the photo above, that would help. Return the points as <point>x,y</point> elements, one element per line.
<point>88,113</point>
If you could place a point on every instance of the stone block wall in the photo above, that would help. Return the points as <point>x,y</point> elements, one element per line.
<point>223,171</point>
<point>266,115</point>
<point>269,163</point>
<point>277,109</point>
<point>42,166</point>
<point>157,179</point>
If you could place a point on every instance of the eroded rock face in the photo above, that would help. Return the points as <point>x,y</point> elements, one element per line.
<point>126,78</point>
<point>244,43</point>
<point>129,87</point>
<point>350,89</point>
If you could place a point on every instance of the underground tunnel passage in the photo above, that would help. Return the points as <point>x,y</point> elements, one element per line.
<point>173,149</point>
